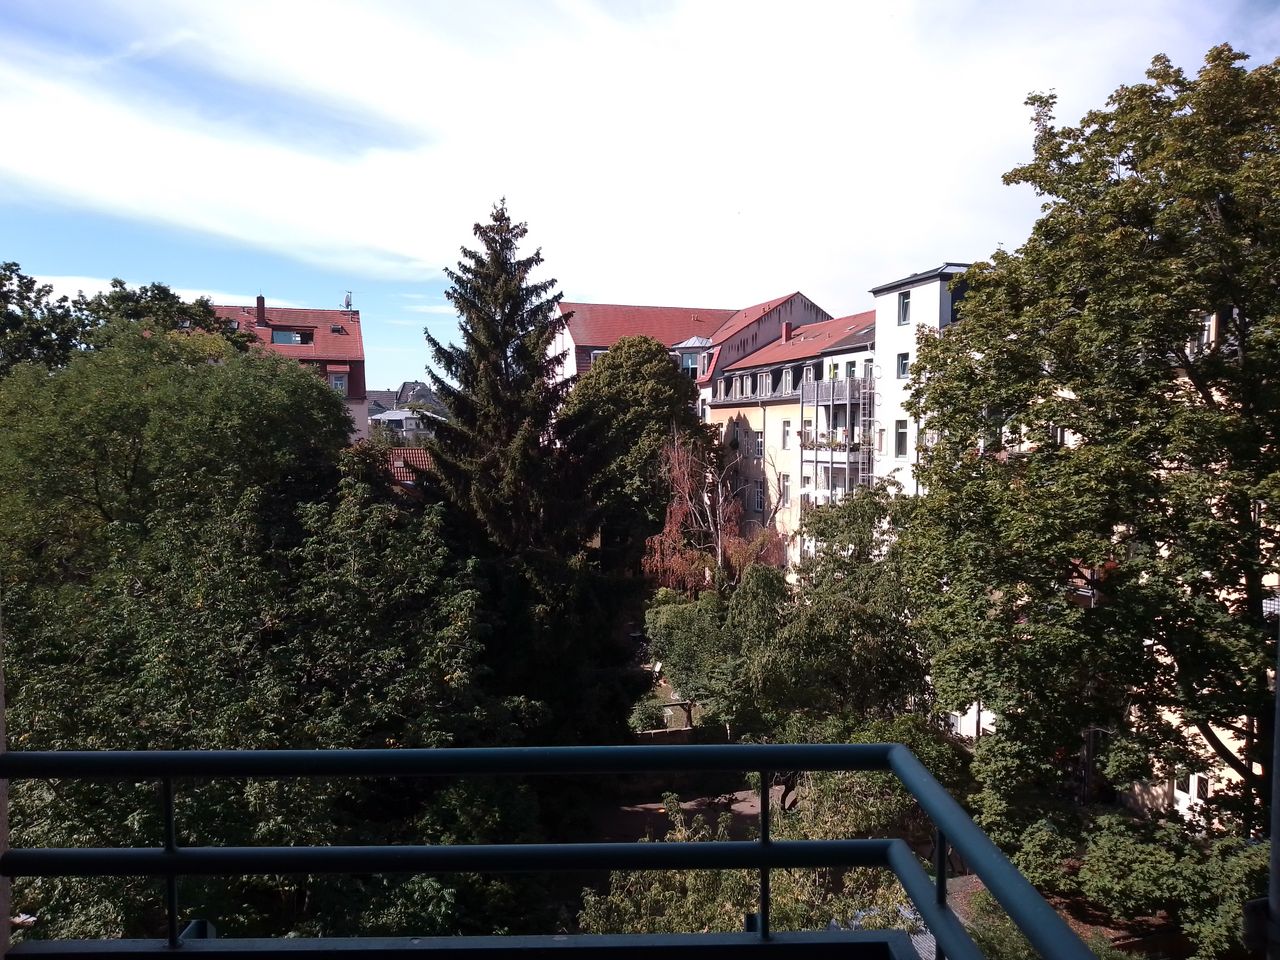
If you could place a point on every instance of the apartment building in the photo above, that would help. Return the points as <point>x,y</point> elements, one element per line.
<point>926,301</point>
<point>328,342</point>
<point>593,328</point>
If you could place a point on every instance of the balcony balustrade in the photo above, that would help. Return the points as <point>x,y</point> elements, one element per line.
<point>170,860</point>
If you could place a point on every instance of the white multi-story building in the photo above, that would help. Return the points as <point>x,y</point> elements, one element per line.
<point>903,307</point>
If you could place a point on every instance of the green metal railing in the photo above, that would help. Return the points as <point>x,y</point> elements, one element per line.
<point>1047,932</point>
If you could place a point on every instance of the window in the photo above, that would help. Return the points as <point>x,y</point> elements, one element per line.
<point>290,336</point>
<point>760,444</point>
<point>596,355</point>
<point>1202,787</point>
<point>786,381</point>
<point>807,433</point>
<point>850,370</point>
<point>786,434</point>
<point>868,368</point>
<point>763,384</point>
<point>1183,784</point>
<point>784,485</point>
<point>808,374</point>
<point>899,438</point>
<point>904,308</point>
<point>339,382</point>
<point>904,365</point>
<point>834,373</point>
<point>689,362</point>
<point>759,496</point>
<point>880,441</point>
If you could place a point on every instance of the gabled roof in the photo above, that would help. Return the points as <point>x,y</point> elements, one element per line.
<point>809,340</point>
<point>406,463</point>
<point>604,324</point>
<point>327,343</point>
<point>742,318</point>
<point>862,333</point>
<point>944,272</point>
<point>386,399</point>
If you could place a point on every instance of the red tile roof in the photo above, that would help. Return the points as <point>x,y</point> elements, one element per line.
<point>406,462</point>
<point>741,318</point>
<point>808,340</point>
<point>326,344</point>
<point>604,324</point>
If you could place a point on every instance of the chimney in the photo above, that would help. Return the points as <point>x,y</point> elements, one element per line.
<point>786,331</point>
<point>262,310</point>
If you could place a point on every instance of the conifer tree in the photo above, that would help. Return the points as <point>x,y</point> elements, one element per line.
<point>499,457</point>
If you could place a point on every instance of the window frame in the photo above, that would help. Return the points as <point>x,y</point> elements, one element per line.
<point>904,308</point>
<point>903,365</point>
<point>900,439</point>
<point>786,434</point>
<point>784,487</point>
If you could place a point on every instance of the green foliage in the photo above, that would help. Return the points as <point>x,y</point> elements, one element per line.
<point>1042,852</point>
<point>34,326</point>
<point>999,938</point>
<point>683,901</point>
<point>648,714</point>
<point>1159,212</point>
<point>773,660</point>
<point>631,402</point>
<point>499,456</point>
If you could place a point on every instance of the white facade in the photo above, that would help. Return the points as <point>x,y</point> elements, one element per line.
<point>903,308</point>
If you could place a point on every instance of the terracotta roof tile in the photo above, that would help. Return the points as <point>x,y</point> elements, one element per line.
<point>809,340</point>
<point>407,462</point>
<point>743,317</point>
<point>326,344</point>
<point>602,325</point>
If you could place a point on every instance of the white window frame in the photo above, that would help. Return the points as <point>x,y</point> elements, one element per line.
<point>784,486</point>
<point>903,366</point>
<point>760,444</point>
<point>762,384</point>
<point>759,496</point>
<point>900,432</point>
<point>786,434</point>
<point>787,385</point>
<point>808,373</point>
<point>338,381</point>
<point>904,308</point>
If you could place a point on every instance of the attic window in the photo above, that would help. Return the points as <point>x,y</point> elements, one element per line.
<point>337,328</point>
<point>292,336</point>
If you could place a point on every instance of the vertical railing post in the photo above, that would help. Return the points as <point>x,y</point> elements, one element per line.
<point>170,846</point>
<point>765,777</point>
<point>940,881</point>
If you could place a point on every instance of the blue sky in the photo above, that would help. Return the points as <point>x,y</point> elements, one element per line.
<point>702,153</point>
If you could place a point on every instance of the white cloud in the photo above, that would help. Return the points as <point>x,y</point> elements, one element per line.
<point>709,153</point>
<point>71,286</point>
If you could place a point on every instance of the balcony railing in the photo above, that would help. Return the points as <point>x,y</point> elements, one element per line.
<point>170,860</point>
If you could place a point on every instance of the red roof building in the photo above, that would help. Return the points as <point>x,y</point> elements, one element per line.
<point>595,327</point>
<point>326,341</point>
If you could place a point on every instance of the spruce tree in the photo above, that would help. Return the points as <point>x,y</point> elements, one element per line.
<point>498,458</point>
<point>518,472</point>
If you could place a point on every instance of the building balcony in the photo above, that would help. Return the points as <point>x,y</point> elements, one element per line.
<point>849,390</point>
<point>170,860</point>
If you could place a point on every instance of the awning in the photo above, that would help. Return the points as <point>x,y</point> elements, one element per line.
<point>337,368</point>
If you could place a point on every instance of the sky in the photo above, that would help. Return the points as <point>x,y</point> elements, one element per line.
<point>670,152</point>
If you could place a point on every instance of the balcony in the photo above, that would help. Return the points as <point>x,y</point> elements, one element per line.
<point>169,860</point>
<point>849,390</point>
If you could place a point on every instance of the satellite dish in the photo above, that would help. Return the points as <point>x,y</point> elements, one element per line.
<point>346,303</point>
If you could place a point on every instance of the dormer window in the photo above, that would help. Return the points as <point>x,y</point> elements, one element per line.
<point>786,381</point>
<point>808,373</point>
<point>292,337</point>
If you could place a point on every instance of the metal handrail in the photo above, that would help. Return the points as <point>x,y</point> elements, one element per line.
<point>1042,926</point>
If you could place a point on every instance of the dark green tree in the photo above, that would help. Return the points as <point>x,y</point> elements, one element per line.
<point>35,327</point>
<point>156,307</point>
<point>499,456</point>
<point>632,402</point>
<point>520,479</point>
<point>1101,507</point>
